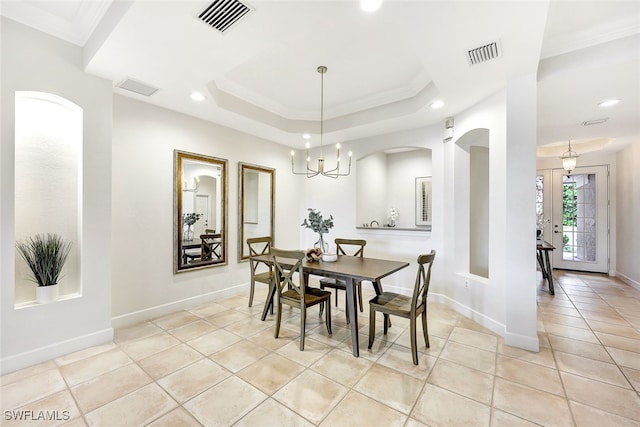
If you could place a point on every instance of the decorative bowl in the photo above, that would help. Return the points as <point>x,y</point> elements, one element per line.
<point>329,257</point>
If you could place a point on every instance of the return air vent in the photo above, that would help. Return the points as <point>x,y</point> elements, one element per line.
<point>138,87</point>
<point>222,14</point>
<point>484,53</point>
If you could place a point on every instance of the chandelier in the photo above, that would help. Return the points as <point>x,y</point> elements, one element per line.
<point>320,168</point>
<point>569,160</point>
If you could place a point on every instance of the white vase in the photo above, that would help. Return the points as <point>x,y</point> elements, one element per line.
<point>47,294</point>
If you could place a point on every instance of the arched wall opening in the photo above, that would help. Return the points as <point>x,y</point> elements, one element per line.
<point>472,202</point>
<point>48,182</point>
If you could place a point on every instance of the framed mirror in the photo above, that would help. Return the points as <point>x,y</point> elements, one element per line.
<point>256,204</point>
<point>200,211</point>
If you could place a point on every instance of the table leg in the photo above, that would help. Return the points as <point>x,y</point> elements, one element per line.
<point>270,301</point>
<point>353,316</point>
<point>549,275</point>
<point>541,264</point>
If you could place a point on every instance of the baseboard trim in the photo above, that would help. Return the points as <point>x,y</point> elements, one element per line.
<point>140,316</point>
<point>49,352</point>
<point>628,280</point>
<point>515,340</point>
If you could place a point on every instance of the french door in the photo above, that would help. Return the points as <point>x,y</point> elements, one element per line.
<point>580,219</point>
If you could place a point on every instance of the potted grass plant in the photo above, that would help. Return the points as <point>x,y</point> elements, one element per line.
<point>45,254</point>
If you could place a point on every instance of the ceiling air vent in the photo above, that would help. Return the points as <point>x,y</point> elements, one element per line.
<point>221,14</point>
<point>484,53</point>
<point>138,87</point>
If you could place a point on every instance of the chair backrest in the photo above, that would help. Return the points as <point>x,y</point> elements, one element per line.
<point>353,247</point>
<point>209,231</point>
<point>286,273</point>
<point>210,243</point>
<point>423,277</point>
<point>259,246</point>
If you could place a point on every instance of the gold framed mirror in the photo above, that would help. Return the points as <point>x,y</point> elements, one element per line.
<point>200,211</point>
<point>256,204</point>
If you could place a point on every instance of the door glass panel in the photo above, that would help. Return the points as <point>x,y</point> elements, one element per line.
<point>579,217</point>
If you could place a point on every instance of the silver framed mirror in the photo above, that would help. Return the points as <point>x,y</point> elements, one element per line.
<point>200,211</point>
<point>256,205</point>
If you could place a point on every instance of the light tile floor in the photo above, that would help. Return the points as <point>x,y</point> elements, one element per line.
<point>218,364</point>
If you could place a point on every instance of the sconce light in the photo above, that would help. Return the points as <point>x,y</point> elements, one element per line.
<point>448,129</point>
<point>569,160</point>
<point>196,184</point>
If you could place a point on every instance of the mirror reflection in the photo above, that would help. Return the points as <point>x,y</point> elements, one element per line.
<point>256,204</point>
<point>200,211</point>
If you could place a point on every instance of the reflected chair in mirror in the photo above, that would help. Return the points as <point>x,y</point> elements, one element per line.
<point>287,264</point>
<point>209,231</point>
<point>353,247</point>
<point>390,303</point>
<point>261,271</point>
<point>190,255</point>
<point>210,248</point>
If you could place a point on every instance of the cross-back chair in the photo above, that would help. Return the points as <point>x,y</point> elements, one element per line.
<point>353,247</point>
<point>391,303</point>
<point>261,271</point>
<point>210,247</point>
<point>296,295</point>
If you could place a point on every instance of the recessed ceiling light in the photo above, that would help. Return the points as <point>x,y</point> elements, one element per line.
<point>197,96</point>
<point>370,5</point>
<point>306,136</point>
<point>608,102</point>
<point>437,104</point>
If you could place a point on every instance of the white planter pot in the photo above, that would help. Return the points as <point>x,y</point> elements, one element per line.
<point>46,294</point>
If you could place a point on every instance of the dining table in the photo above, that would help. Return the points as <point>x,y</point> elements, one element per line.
<point>350,269</point>
<point>542,250</point>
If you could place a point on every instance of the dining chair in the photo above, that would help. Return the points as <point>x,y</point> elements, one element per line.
<point>353,247</point>
<point>210,246</point>
<point>191,255</point>
<point>391,303</point>
<point>297,295</point>
<point>261,246</point>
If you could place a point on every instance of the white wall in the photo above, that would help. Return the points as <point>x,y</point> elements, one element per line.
<point>628,212</point>
<point>144,137</point>
<point>36,62</point>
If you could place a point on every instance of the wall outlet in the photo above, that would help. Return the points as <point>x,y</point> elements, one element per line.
<point>466,284</point>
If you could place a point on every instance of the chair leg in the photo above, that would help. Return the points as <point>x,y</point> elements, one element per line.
<point>359,288</point>
<point>337,297</point>
<point>346,306</point>
<point>414,344</point>
<point>386,323</point>
<point>303,324</point>
<point>425,331</point>
<point>328,316</point>
<point>251,289</point>
<point>372,326</point>
<point>278,319</point>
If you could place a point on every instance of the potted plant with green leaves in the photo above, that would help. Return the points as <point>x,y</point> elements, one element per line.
<point>45,254</point>
<point>320,225</point>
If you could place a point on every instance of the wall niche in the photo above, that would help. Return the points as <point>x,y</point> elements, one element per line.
<point>48,183</point>
<point>393,179</point>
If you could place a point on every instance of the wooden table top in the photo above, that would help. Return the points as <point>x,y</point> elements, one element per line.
<point>349,266</point>
<point>543,245</point>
